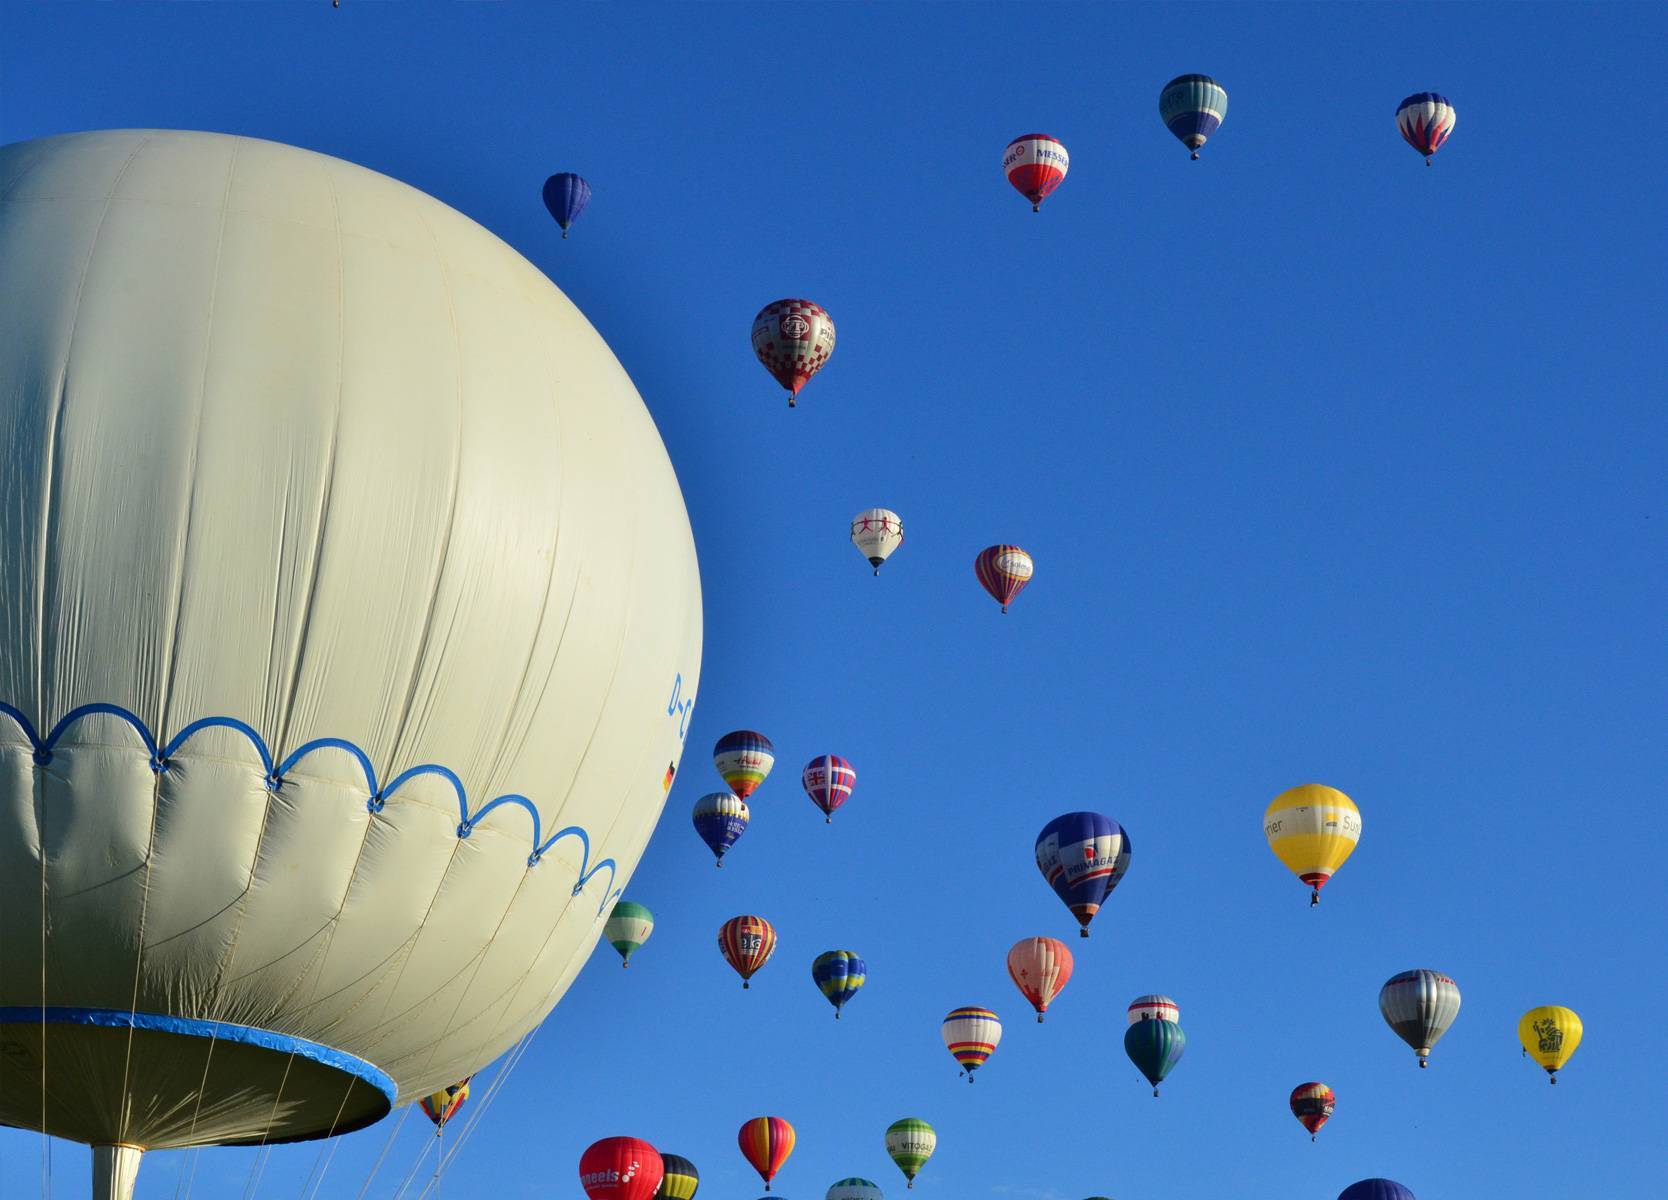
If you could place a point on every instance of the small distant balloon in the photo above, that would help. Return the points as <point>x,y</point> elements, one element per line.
<point>766,1143</point>
<point>439,1106</point>
<point>876,532</point>
<point>855,1189</point>
<point>794,340</point>
<point>910,1142</point>
<point>620,1168</point>
<point>1420,1006</point>
<point>1003,571</point>
<point>972,1035</point>
<point>1040,967</point>
<point>1155,1047</point>
<point>720,819</point>
<point>627,928</point>
<point>1312,1105</point>
<point>1035,165</point>
<point>828,780</point>
<point>744,759</point>
<point>1550,1034</point>
<point>1193,107</point>
<point>1376,1189</point>
<point>747,944</point>
<point>1425,120</point>
<point>839,974</point>
<point>566,195</point>
<point>1153,1007</point>
<point>680,1180</point>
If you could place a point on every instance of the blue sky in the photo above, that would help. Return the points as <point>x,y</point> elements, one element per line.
<point>1335,469</point>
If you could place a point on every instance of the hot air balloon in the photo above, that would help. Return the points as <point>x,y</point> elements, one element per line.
<point>744,758</point>
<point>876,532</point>
<point>1419,1006</point>
<point>1040,967</point>
<point>1035,164</point>
<point>1155,1047</point>
<point>1550,1034</point>
<point>1312,1105</point>
<point>972,1034</point>
<point>1153,1007</point>
<point>680,1180</point>
<point>628,927</point>
<point>828,780</point>
<point>1003,571</point>
<point>720,818</point>
<point>566,196</point>
<point>1083,856</point>
<point>839,974</point>
<point>265,689</point>
<point>766,1143</point>
<point>1313,829</point>
<point>620,1168</point>
<point>1192,107</point>
<point>793,339</point>
<point>910,1142</point>
<point>439,1106</point>
<point>747,944</point>
<point>1425,120</point>
<point>855,1189</point>
<point>1376,1189</point>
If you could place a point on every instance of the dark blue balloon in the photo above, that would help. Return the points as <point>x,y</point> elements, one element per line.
<point>566,196</point>
<point>1083,856</point>
<point>1376,1189</point>
<point>720,819</point>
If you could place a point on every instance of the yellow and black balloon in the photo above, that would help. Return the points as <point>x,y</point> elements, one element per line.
<point>680,1180</point>
<point>1550,1034</point>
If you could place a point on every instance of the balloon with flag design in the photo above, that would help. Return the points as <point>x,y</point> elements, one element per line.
<point>620,1168</point>
<point>839,974</point>
<point>1312,1105</point>
<point>720,819</point>
<point>566,195</point>
<point>1003,571</point>
<point>766,1143</point>
<point>747,944</point>
<point>1425,120</point>
<point>910,1142</point>
<point>793,339</point>
<point>1035,165</point>
<point>1193,107</point>
<point>972,1035</point>
<point>876,532</point>
<point>1083,856</point>
<point>627,928</point>
<point>828,780</point>
<point>1040,967</point>
<point>744,759</point>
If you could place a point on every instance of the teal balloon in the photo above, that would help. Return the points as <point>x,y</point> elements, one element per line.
<point>1155,1047</point>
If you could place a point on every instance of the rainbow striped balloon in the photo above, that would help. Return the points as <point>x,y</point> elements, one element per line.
<point>747,944</point>
<point>744,759</point>
<point>766,1143</point>
<point>972,1035</point>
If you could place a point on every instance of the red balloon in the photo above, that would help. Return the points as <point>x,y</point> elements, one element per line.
<point>766,1143</point>
<point>1003,571</point>
<point>746,943</point>
<point>1312,1105</point>
<point>621,1168</point>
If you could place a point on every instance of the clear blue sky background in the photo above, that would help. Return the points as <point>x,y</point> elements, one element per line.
<point>1335,468</point>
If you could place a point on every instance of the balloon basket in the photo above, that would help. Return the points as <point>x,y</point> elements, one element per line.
<point>1039,1018</point>
<point>1082,933</point>
<point>745,985</point>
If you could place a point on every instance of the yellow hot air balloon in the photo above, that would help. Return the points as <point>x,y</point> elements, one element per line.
<point>1313,830</point>
<point>1550,1034</point>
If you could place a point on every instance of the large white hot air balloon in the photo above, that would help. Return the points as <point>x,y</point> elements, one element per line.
<point>346,585</point>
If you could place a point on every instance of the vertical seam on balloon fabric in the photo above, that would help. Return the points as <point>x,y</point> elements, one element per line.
<point>328,486</point>
<point>139,953</point>
<point>49,500</point>
<point>416,672</point>
<point>165,701</point>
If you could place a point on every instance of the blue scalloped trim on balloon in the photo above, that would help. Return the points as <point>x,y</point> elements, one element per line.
<point>380,794</point>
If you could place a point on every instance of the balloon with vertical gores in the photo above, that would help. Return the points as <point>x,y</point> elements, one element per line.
<point>839,974</point>
<point>1312,1105</point>
<point>1550,1034</point>
<point>620,1168</point>
<point>1420,1006</point>
<point>911,1142</point>
<point>627,928</point>
<point>1003,571</point>
<point>1155,1047</point>
<point>793,339</point>
<point>1376,1189</point>
<point>439,1106</point>
<point>1193,107</point>
<point>828,781</point>
<point>766,1143</point>
<point>1425,120</point>
<point>1153,1007</point>
<point>855,1188</point>
<point>1083,856</point>
<point>747,944</point>
<point>1312,829</point>
<point>720,819</point>
<point>876,532</point>
<point>1040,967</point>
<point>1035,165</point>
<point>679,1180</point>
<point>743,758</point>
<point>972,1035</point>
<point>566,196</point>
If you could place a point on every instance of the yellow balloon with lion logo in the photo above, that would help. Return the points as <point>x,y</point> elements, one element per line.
<point>1550,1034</point>
<point>1312,829</point>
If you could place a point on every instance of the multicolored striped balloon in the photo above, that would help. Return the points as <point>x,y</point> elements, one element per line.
<point>720,818</point>
<point>1003,571</point>
<point>1153,1007</point>
<point>766,1143</point>
<point>1420,1006</point>
<point>794,340</point>
<point>439,1106</point>
<point>747,944</point>
<point>1155,1047</point>
<point>627,928</point>
<point>855,1189</point>
<point>828,780</point>
<point>1083,856</point>
<point>680,1179</point>
<point>911,1142</point>
<point>1425,120</point>
<point>1550,1034</point>
<point>1312,1105</point>
<point>1193,107</point>
<point>972,1035</point>
<point>1313,829</point>
<point>839,974</point>
<point>1039,967</point>
<point>744,759</point>
<point>1035,164</point>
